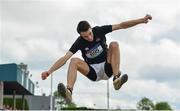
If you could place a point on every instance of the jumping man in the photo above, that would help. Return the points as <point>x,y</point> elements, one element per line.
<point>100,61</point>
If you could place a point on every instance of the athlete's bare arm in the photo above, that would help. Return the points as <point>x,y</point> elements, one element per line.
<point>57,65</point>
<point>131,23</point>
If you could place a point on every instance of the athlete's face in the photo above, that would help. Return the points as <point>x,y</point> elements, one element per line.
<point>88,35</point>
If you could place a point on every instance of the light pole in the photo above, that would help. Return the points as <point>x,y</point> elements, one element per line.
<point>108,94</point>
<point>1,94</point>
<point>94,106</point>
<point>51,95</point>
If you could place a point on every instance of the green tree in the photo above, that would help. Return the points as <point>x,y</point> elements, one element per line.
<point>145,104</point>
<point>162,106</point>
<point>61,103</point>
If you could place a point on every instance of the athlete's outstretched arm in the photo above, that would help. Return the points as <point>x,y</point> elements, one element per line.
<point>60,62</point>
<point>130,23</point>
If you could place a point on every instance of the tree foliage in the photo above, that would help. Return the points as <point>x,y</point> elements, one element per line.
<point>162,106</point>
<point>61,103</point>
<point>145,104</point>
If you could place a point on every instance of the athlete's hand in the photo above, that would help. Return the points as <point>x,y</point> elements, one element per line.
<point>147,18</point>
<point>44,75</point>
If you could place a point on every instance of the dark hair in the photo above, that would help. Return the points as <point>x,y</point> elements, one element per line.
<point>83,26</point>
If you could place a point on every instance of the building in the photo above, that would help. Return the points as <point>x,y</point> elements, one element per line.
<point>15,83</point>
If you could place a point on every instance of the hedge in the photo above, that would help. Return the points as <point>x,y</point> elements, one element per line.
<point>9,101</point>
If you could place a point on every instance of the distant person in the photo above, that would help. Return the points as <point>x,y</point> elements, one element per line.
<point>100,61</point>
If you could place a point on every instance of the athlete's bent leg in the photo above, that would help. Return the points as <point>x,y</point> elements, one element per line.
<point>76,64</point>
<point>114,57</point>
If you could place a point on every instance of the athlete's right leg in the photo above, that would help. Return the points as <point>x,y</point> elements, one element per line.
<point>76,64</point>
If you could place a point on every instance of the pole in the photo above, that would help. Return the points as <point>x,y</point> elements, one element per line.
<point>23,102</point>
<point>14,99</point>
<point>108,95</point>
<point>1,94</point>
<point>51,95</point>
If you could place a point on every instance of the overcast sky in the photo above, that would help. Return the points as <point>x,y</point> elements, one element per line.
<point>38,32</point>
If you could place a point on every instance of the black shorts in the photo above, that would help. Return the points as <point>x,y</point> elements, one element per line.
<point>92,75</point>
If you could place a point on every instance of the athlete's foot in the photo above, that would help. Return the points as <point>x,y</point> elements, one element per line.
<point>64,92</point>
<point>119,81</point>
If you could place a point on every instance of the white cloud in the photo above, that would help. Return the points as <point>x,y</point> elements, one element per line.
<point>135,56</point>
<point>137,89</point>
<point>133,89</point>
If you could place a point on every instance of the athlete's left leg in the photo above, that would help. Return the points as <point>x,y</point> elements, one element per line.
<point>113,58</point>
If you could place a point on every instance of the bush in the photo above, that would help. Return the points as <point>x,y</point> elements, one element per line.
<point>9,101</point>
<point>162,106</point>
<point>76,108</point>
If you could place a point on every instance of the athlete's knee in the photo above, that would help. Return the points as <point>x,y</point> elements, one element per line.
<point>114,45</point>
<point>74,61</point>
